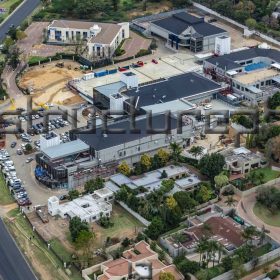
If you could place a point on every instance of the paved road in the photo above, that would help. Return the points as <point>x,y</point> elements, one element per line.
<point>12,264</point>
<point>18,16</point>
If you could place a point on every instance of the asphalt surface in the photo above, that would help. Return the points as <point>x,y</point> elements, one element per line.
<point>18,16</point>
<point>12,264</point>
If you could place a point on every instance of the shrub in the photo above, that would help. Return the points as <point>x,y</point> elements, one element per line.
<point>273,274</point>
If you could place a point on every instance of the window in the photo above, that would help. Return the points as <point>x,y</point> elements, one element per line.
<point>123,34</point>
<point>120,154</point>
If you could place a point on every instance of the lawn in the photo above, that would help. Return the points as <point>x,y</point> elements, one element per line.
<point>40,258</point>
<point>269,174</point>
<point>5,195</point>
<point>36,59</point>
<point>125,225</point>
<point>265,215</point>
<point>262,250</point>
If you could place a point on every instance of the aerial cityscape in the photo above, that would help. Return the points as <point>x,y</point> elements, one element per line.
<point>139,139</point>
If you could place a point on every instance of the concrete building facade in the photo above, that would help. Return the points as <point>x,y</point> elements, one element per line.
<point>102,39</point>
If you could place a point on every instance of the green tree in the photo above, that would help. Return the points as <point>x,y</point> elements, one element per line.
<point>124,168</point>
<point>76,225</point>
<point>212,165</point>
<point>204,194</point>
<point>171,203</point>
<point>163,174</point>
<point>196,151</point>
<point>249,233</point>
<point>184,200</point>
<point>155,229</point>
<point>28,147</point>
<point>251,23</point>
<point>122,194</point>
<point>220,180</point>
<point>274,101</point>
<point>115,4</point>
<point>166,186</point>
<point>73,194</point>
<point>13,56</point>
<point>163,156</point>
<point>176,151</point>
<point>146,162</point>
<point>94,184</point>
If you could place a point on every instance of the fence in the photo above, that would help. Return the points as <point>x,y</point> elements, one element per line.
<point>250,265</point>
<point>236,24</point>
<point>135,215</point>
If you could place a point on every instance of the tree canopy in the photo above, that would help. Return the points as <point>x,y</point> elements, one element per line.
<point>212,165</point>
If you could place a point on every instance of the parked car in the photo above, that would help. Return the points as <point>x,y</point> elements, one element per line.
<point>154,61</point>
<point>13,144</point>
<point>19,152</point>
<point>29,160</point>
<point>207,107</point>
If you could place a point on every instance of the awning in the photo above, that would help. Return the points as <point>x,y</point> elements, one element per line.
<point>276,65</point>
<point>254,89</point>
<point>276,79</point>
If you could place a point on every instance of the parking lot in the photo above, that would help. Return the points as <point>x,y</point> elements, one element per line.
<point>24,164</point>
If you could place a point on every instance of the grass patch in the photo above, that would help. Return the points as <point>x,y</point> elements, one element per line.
<point>266,216</point>
<point>262,250</point>
<point>36,249</point>
<point>269,174</point>
<point>124,225</point>
<point>36,59</point>
<point>60,250</point>
<point>210,273</point>
<point>5,195</point>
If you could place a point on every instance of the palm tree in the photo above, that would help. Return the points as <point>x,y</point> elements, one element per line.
<point>176,151</point>
<point>202,247</point>
<point>196,151</point>
<point>213,248</point>
<point>248,233</point>
<point>230,201</point>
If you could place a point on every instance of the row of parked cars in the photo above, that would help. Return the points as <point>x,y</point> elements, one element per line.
<point>52,125</point>
<point>14,184</point>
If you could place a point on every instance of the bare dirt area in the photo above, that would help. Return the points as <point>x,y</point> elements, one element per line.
<point>47,83</point>
<point>56,228</point>
<point>32,45</point>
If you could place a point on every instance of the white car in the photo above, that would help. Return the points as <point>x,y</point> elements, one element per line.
<point>208,107</point>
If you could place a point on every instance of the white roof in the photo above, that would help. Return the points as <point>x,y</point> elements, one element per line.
<point>232,72</point>
<point>241,150</point>
<point>276,65</point>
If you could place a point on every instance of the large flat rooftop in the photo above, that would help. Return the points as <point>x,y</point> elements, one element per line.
<point>256,76</point>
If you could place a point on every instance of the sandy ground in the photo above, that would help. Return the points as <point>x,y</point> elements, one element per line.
<point>47,83</point>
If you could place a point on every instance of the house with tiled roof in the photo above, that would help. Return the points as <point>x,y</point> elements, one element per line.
<point>102,39</point>
<point>139,260</point>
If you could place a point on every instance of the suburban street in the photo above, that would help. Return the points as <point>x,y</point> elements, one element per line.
<point>12,263</point>
<point>18,16</point>
<point>245,211</point>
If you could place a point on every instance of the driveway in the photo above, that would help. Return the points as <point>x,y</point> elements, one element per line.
<point>134,44</point>
<point>18,16</point>
<point>245,210</point>
<point>12,263</point>
<point>32,44</point>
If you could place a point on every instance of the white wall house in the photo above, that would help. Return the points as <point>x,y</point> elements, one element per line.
<point>102,38</point>
<point>88,208</point>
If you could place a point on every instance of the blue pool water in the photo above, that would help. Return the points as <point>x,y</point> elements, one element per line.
<point>255,66</point>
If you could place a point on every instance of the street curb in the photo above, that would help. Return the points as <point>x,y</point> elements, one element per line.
<point>13,12</point>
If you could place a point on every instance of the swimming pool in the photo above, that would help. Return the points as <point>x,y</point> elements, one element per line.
<point>255,66</point>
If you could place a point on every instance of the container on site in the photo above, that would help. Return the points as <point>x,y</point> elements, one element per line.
<point>101,73</point>
<point>89,76</point>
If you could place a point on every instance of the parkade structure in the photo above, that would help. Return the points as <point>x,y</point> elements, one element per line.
<point>175,93</point>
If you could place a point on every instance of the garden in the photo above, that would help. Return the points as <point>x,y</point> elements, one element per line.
<point>255,178</point>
